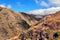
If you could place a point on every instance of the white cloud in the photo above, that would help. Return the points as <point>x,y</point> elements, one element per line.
<point>36,1</point>
<point>54,2</point>
<point>45,11</point>
<point>43,3</point>
<point>1,5</point>
<point>8,6</point>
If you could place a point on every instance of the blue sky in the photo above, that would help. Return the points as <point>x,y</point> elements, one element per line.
<point>28,5</point>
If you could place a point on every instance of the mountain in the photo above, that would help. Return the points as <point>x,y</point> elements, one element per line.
<point>38,17</point>
<point>47,29</point>
<point>13,23</point>
<point>52,20</point>
<point>23,26</point>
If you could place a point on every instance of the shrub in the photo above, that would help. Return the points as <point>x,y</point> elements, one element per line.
<point>58,32</point>
<point>48,32</point>
<point>57,35</point>
<point>28,39</point>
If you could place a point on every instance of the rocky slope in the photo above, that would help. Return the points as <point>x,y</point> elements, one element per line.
<point>12,23</point>
<point>47,29</point>
<point>22,26</point>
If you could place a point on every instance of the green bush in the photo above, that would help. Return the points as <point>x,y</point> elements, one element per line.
<point>48,32</point>
<point>58,32</point>
<point>28,39</point>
